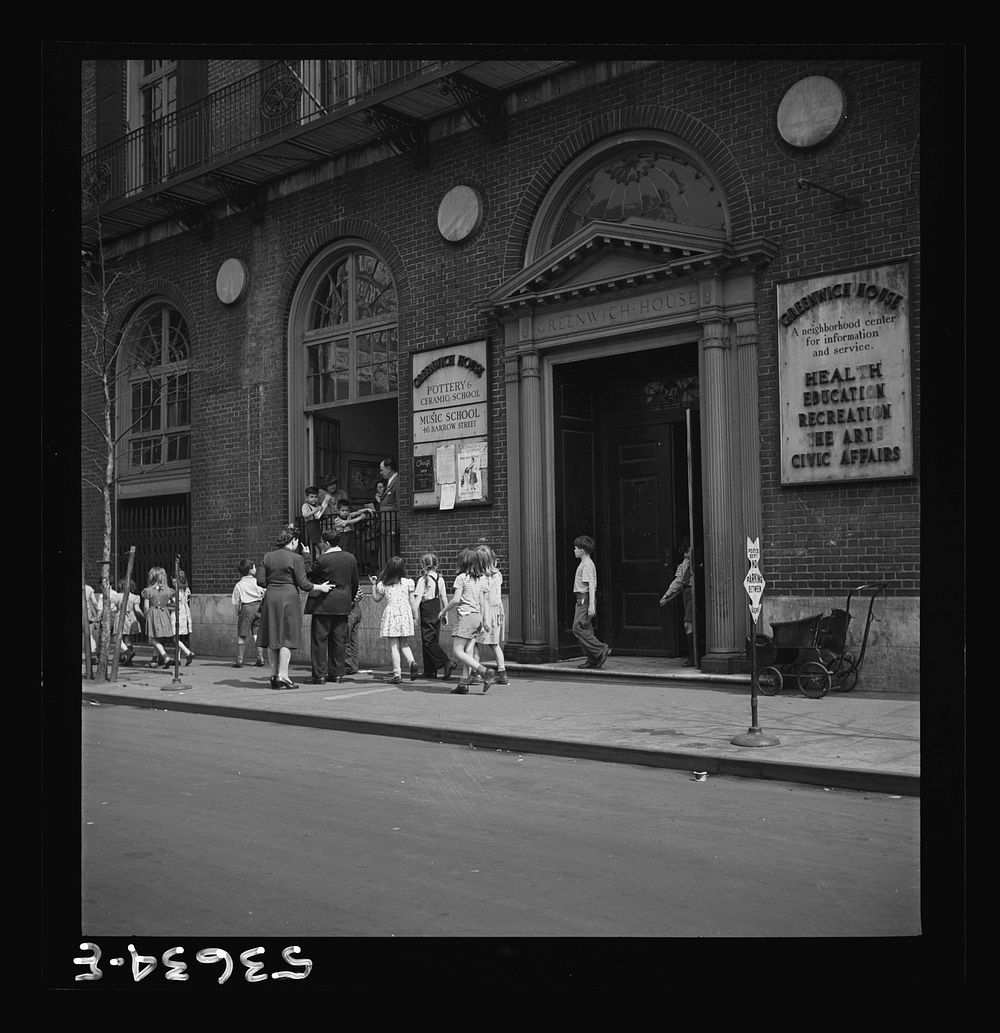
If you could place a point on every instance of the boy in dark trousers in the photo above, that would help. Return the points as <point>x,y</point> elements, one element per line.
<point>584,596</point>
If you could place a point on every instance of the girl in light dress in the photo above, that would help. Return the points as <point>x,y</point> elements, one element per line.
<point>493,618</point>
<point>183,594</point>
<point>469,599</point>
<point>398,615</point>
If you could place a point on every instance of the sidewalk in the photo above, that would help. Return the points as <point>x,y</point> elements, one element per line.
<point>634,711</point>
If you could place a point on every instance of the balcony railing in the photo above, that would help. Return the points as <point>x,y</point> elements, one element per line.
<point>250,111</point>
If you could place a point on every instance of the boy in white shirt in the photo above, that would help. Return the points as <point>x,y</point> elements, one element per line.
<point>246,599</point>
<point>584,595</point>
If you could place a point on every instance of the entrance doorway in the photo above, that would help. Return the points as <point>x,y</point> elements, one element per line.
<point>622,443</point>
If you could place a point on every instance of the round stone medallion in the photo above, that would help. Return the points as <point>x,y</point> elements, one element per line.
<point>459,213</point>
<point>811,111</point>
<point>231,281</point>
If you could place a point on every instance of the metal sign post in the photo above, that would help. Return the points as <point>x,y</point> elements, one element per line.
<point>176,683</point>
<point>754,584</point>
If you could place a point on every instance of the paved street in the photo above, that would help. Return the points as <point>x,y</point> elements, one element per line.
<point>206,826</point>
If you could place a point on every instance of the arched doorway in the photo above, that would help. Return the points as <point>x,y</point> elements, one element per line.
<point>631,254</point>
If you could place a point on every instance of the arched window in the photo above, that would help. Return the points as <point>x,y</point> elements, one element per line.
<point>157,390</point>
<point>349,332</point>
<point>650,179</point>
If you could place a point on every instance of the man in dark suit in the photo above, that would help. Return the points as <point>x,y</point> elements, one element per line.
<point>387,503</point>
<point>330,611</point>
<point>386,495</point>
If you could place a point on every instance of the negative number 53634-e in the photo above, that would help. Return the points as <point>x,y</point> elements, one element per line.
<point>176,970</point>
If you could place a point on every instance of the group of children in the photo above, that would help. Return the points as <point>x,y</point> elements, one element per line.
<point>150,614</point>
<point>424,604</point>
<point>476,597</point>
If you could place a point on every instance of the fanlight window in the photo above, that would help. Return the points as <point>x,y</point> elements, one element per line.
<point>645,184</point>
<point>158,410</point>
<point>351,335</point>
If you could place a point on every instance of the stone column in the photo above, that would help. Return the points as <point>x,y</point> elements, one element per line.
<point>534,590</point>
<point>748,438</point>
<point>720,456</point>
<point>515,570</point>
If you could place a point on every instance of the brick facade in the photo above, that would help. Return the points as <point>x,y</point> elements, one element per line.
<point>820,540</point>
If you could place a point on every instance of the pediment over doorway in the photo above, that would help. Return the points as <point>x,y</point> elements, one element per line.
<point>602,257</point>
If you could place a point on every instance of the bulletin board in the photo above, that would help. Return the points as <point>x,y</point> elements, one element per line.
<point>451,466</point>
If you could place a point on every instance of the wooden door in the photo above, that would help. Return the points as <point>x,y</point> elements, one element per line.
<point>640,533</point>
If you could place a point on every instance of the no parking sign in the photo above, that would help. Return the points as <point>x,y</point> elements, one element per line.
<point>754,581</point>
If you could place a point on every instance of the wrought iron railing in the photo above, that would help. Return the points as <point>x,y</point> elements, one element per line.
<point>160,530</point>
<point>374,542</point>
<point>238,116</point>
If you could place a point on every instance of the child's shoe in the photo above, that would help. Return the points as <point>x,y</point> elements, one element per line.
<point>487,676</point>
<point>501,678</point>
<point>239,663</point>
<point>396,679</point>
<point>260,662</point>
<point>461,689</point>
<point>414,671</point>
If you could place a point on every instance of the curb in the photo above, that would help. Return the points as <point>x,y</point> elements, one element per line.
<point>738,767</point>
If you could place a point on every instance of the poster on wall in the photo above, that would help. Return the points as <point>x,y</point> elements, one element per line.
<point>844,376</point>
<point>451,426</point>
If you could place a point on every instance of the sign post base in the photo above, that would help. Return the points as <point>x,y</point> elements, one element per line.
<point>754,736</point>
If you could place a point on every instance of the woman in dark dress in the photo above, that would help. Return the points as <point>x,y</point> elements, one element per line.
<point>281,611</point>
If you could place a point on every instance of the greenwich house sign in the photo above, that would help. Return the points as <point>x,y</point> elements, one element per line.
<point>844,376</point>
<point>451,426</point>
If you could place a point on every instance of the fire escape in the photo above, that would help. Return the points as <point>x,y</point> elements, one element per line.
<point>217,156</point>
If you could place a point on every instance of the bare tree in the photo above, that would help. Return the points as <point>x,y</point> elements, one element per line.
<point>106,284</point>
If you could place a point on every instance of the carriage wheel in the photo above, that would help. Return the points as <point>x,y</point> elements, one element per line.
<point>845,673</point>
<point>769,681</point>
<point>814,680</point>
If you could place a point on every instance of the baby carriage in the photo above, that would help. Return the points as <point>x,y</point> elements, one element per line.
<point>813,651</point>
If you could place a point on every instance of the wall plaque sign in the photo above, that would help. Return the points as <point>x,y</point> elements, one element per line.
<point>844,376</point>
<point>451,426</point>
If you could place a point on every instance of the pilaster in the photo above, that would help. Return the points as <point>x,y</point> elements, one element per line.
<point>720,456</point>
<point>534,602</point>
<point>512,388</point>
<point>748,408</point>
